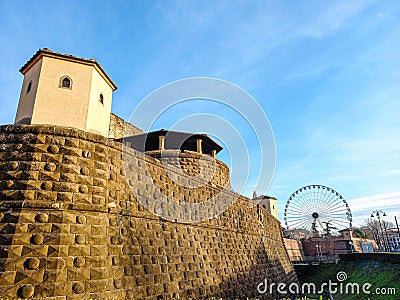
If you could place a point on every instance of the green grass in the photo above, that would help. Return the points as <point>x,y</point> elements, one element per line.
<point>378,274</point>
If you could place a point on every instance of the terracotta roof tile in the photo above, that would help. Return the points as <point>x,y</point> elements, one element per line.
<point>46,51</point>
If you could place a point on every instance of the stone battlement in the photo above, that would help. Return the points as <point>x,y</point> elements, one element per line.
<point>76,223</point>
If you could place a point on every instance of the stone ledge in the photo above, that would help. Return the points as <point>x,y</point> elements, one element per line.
<point>56,130</point>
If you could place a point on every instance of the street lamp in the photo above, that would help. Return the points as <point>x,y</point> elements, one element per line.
<point>319,252</point>
<point>351,246</point>
<point>378,213</point>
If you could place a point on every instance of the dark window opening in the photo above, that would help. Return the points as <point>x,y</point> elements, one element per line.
<point>28,89</point>
<point>66,83</point>
<point>101,99</point>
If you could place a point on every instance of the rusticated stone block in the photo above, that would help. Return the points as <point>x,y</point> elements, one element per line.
<point>100,174</point>
<point>78,287</point>
<point>26,291</point>
<point>46,194</point>
<point>79,250</point>
<point>145,280</point>
<point>98,286</point>
<point>49,176</point>
<point>84,180</point>
<point>81,198</point>
<point>99,250</point>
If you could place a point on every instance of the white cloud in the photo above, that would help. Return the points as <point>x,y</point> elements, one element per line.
<point>360,220</point>
<point>388,201</point>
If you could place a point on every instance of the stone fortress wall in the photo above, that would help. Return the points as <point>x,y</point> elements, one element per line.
<point>71,228</point>
<point>203,167</point>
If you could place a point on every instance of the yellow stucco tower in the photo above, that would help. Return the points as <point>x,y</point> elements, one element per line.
<point>269,203</point>
<point>65,90</point>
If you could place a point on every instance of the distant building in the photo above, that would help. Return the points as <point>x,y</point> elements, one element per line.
<point>269,203</point>
<point>393,239</point>
<point>328,248</point>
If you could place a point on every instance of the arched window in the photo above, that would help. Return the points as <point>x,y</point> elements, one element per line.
<point>28,89</point>
<point>65,82</point>
<point>101,99</point>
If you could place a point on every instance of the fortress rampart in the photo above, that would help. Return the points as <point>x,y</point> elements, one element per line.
<point>71,227</point>
<point>196,167</point>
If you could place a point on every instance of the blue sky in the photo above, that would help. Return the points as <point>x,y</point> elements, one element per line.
<point>326,73</point>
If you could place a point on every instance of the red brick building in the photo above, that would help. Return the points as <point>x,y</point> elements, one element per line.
<point>327,248</point>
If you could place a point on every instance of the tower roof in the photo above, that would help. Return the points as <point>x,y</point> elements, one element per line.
<point>48,53</point>
<point>173,140</point>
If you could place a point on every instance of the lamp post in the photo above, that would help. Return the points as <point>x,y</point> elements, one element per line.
<point>319,252</point>
<point>388,247</point>
<point>351,246</point>
<point>378,214</point>
<point>378,238</point>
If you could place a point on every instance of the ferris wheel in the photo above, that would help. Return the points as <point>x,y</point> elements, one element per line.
<point>317,209</point>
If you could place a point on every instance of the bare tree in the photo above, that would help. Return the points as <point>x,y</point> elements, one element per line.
<point>376,230</point>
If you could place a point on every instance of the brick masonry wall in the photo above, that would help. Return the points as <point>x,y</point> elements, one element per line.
<point>71,228</point>
<point>294,249</point>
<point>119,128</point>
